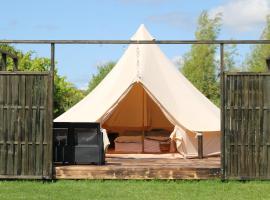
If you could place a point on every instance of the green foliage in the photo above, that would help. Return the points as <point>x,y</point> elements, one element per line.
<point>200,66</point>
<point>103,70</point>
<point>10,49</point>
<point>28,63</point>
<point>256,60</point>
<point>65,93</point>
<point>230,51</point>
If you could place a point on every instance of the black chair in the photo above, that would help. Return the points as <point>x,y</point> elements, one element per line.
<point>62,150</point>
<point>78,143</point>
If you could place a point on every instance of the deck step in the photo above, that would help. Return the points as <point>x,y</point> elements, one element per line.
<point>142,168</point>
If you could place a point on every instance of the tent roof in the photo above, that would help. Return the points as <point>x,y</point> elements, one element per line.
<point>181,102</point>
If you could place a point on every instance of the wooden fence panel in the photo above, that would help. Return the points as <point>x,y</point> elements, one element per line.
<point>246,121</point>
<point>25,125</point>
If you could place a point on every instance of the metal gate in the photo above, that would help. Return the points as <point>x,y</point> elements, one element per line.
<point>246,122</point>
<point>26,125</point>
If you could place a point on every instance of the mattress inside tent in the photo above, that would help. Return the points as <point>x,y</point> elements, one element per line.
<point>147,144</point>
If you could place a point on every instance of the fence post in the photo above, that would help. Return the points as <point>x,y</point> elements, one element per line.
<point>50,105</point>
<point>4,62</point>
<point>15,61</point>
<point>268,64</point>
<point>222,128</point>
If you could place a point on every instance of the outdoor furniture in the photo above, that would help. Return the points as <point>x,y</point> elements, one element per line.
<point>78,143</point>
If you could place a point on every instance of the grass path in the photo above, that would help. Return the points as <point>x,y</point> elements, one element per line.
<point>137,190</point>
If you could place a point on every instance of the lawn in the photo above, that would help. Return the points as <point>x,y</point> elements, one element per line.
<point>134,190</point>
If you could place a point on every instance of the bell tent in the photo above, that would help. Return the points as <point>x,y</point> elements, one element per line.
<point>145,91</point>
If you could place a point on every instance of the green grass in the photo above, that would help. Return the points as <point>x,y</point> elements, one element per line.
<point>141,190</point>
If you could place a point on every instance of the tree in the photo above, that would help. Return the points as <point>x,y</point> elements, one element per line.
<point>230,51</point>
<point>103,70</point>
<point>65,93</point>
<point>256,59</point>
<point>200,66</point>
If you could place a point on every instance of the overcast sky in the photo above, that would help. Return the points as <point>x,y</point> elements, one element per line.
<point>119,19</point>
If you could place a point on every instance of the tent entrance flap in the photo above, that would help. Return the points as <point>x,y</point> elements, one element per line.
<point>137,111</point>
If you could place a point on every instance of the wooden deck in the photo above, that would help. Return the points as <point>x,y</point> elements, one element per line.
<point>120,166</point>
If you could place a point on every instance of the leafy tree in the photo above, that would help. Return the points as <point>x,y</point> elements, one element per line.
<point>65,93</point>
<point>12,50</point>
<point>256,60</point>
<point>103,70</point>
<point>230,51</point>
<point>200,66</point>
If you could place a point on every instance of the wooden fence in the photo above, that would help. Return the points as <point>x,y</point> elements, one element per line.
<point>246,121</point>
<point>25,125</point>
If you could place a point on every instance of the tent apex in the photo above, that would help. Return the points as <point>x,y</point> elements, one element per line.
<point>142,34</point>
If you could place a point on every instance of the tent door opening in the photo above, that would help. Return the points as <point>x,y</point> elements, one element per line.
<point>138,125</point>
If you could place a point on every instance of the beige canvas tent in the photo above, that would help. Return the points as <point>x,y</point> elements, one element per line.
<point>145,91</point>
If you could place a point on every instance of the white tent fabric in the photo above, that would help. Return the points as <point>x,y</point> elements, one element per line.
<point>106,141</point>
<point>183,105</point>
<point>186,143</point>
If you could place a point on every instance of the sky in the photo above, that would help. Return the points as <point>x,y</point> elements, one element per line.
<point>119,19</point>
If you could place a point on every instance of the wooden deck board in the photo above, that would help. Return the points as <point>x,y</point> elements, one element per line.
<point>123,167</point>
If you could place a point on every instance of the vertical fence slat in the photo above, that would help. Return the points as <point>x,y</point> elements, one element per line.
<point>261,137</point>
<point>2,126</point>
<point>21,124</point>
<point>266,124</point>
<point>246,125</point>
<point>49,127</point>
<point>9,126</point>
<point>233,139</point>
<point>241,128</point>
<point>227,125</point>
<point>15,102</point>
<point>34,127</point>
